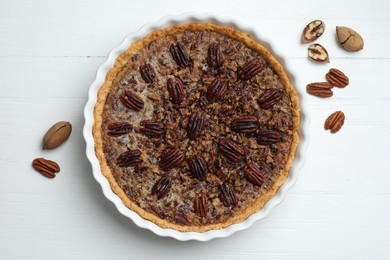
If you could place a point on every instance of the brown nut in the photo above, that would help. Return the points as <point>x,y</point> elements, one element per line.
<point>318,53</point>
<point>57,135</point>
<point>46,167</point>
<point>337,78</point>
<point>313,31</point>
<point>334,122</point>
<point>349,39</point>
<point>320,89</point>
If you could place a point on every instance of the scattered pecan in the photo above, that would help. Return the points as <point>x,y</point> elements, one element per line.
<point>46,167</point>
<point>195,125</point>
<point>216,89</point>
<point>162,187</point>
<point>119,128</point>
<point>147,73</point>
<point>320,89</point>
<point>337,78</point>
<point>227,195</point>
<point>250,69</point>
<point>268,136</point>
<point>214,58</point>
<point>334,122</point>
<point>231,150</point>
<point>132,101</point>
<point>180,55</point>
<point>269,98</point>
<point>152,128</point>
<point>318,53</point>
<point>253,174</point>
<point>129,158</point>
<point>313,31</point>
<point>245,124</point>
<point>198,167</point>
<point>175,90</point>
<point>172,158</point>
<point>201,205</point>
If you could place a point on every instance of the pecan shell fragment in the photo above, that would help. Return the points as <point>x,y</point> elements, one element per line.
<point>180,55</point>
<point>216,90</point>
<point>214,58</point>
<point>46,167</point>
<point>334,122</point>
<point>162,187</point>
<point>269,98</point>
<point>253,174</point>
<point>152,128</point>
<point>245,124</point>
<point>337,78</point>
<point>195,125</point>
<point>231,150</point>
<point>132,101</point>
<point>129,158</point>
<point>227,195</point>
<point>119,128</point>
<point>147,73</point>
<point>320,89</point>
<point>198,167</point>
<point>172,158</point>
<point>250,69</point>
<point>201,205</point>
<point>175,90</point>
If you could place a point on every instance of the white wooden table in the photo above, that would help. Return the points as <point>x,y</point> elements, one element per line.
<point>49,53</point>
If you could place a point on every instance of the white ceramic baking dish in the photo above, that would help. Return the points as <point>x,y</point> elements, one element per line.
<point>90,150</point>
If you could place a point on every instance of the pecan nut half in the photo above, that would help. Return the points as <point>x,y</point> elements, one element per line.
<point>180,55</point>
<point>172,158</point>
<point>245,124</point>
<point>269,98</point>
<point>253,174</point>
<point>250,69</point>
<point>175,90</point>
<point>268,137</point>
<point>214,58</point>
<point>195,125</point>
<point>337,78</point>
<point>46,167</point>
<point>201,206</point>
<point>132,101</point>
<point>313,31</point>
<point>231,150</point>
<point>227,195</point>
<point>334,122</point>
<point>216,90</point>
<point>119,128</point>
<point>147,73</point>
<point>129,158</point>
<point>198,167</point>
<point>152,128</point>
<point>162,187</point>
<point>320,89</point>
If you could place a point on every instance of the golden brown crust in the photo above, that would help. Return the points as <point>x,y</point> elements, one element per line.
<point>116,71</point>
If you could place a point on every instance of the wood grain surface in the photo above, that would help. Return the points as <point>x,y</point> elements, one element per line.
<point>49,54</point>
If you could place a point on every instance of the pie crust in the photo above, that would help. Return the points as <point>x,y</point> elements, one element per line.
<point>118,71</point>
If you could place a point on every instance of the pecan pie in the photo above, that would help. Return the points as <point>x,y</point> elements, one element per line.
<point>196,126</point>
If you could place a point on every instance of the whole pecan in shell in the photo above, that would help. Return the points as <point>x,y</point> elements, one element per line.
<point>179,54</point>
<point>214,58</point>
<point>216,90</point>
<point>162,187</point>
<point>172,158</point>
<point>231,150</point>
<point>269,98</point>
<point>132,101</point>
<point>175,90</point>
<point>227,195</point>
<point>253,174</point>
<point>245,124</point>
<point>250,69</point>
<point>198,167</point>
<point>201,206</point>
<point>320,89</point>
<point>119,128</point>
<point>129,158</point>
<point>195,125</point>
<point>147,73</point>
<point>46,167</point>
<point>152,128</point>
<point>337,78</point>
<point>334,122</point>
<point>268,136</point>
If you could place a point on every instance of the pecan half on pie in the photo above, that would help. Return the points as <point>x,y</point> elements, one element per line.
<point>196,126</point>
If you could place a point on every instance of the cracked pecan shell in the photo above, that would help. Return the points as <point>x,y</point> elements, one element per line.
<point>250,69</point>
<point>180,55</point>
<point>171,159</point>
<point>253,174</point>
<point>129,158</point>
<point>231,150</point>
<point>147,73</point>
<point>201,206</point>
<point>227,195</point>
<point>269,98</point>
<point>152,128</point>
<point>132,101</point>
<point>162,187</point>
<point>216,90</point>
<point>198,167</point>
<point>175,90</point>
<point>214,58</point>
<point>245,124</point>
<point>195,125</point>
<point>119,128</point>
